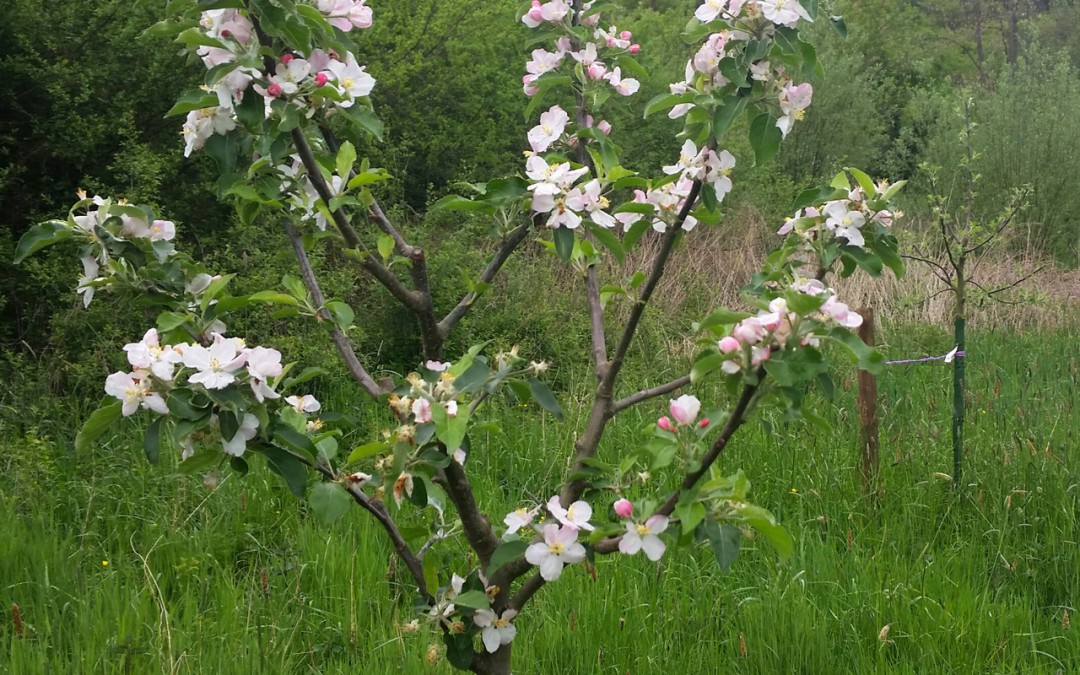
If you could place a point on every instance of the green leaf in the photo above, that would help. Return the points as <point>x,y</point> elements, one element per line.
<point>726,112</point>
<point>294,440</point>
<point>365,118</point>
<point>865,182</point>
<point>839,25</point>
<point>724,541</point>
<point>435,497</point>
<point>472,600</point>
<point>168,321</point>
<point>450,430</point>
<point>342,313</point>
<point>609,240</point>
<point>292,470</point>
<point>667,102</point>
<point>564,243</point>
<point>765,138</point>
<point>765,523</point>
<point>459,650</point>
<point>329,501</point>
<point>690,513</point>
<point>274,298</point>
<point>545,398</point>
<point>507,552</point>
<point>346,157</point>
<point>367,450</point>
<point>867,358</point>
<point>196,99</point>
<point>705,365</point>
<point>386,246</point>
<point>251,111</point>
<point>463,205</point>
<point>40,236</point>
<point>152,440</point>
<point>722,317</point>
<point>521,390</point>
<point>239,465</point>
<point>98,422</point>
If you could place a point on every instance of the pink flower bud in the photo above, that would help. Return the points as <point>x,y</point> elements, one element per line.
<point>320,79</point>
<point>285,58</point>
<point>535,12</point>
<point>704,423</point>
<point>274,90</point>
<point>605,127</point>
<point>635,48</point>
<point>665,424</point>
<point>626,35</point>
<point>685,408</point>
<point>596,71</point>
<point>729,344</point>
<point>623,508</point>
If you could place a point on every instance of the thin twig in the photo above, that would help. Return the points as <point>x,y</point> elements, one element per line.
<point>344,346</point>
<point>646,394</point>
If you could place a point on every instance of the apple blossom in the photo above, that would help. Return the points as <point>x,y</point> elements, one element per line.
<point>134,391</point>
<point>644,537</point>
<point>249,426</point>
<point>624,86</point>
<point>346,14</point>
<point>421,410</point>
<point>552,125</point>
<point>685,408</point>
<point>149,354</point>
<point>162,230</point>
<point>262,364</point>
<point>728,344</point>
<point>624,508</point>
<point>559,548</point>
<point>783,12</point>
<point>844,222</point>
<point>576,515</point>
<point>216,363</point>
<point>437,366</point>
<point>794,100</point>
<point>304,404</point>
<point>403,487</point>
<point>497,630</point>
<point>203,123</point>
<point>591,201</point>
<point>665,423</point>
<point>90,271</point>
<point>352,80</point>
<point>515,520</point>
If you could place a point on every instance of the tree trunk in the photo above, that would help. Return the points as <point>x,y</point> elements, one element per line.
<point>498,663</point>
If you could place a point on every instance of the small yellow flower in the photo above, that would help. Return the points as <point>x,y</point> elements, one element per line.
<point>794,491</point>
<point>104,563</point>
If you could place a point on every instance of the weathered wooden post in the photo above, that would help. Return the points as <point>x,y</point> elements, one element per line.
<point>868,411</point>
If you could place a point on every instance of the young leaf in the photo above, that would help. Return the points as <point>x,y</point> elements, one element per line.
<point>329,501</point>
<point>564,243</point>
<point>504,554</point>
<point>98,422</point>
<point>545,398</point>
<point>765,138</point>
<point>724,541</point>
<point>40,236</point>
<point>346,157</point>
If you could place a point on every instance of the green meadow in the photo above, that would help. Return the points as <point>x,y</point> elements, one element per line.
<point>116,566</point>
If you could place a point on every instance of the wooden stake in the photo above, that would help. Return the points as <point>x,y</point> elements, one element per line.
<point>868,411</point>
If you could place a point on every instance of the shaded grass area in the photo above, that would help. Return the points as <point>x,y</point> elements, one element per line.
<point>120,567</point>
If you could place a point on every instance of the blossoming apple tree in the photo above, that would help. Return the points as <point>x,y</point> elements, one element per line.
<point>285,97</point>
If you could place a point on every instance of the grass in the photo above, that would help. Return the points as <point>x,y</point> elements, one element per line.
<point>120,567</point>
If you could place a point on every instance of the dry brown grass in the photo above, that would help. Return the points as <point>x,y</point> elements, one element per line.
<point>711,266</point>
